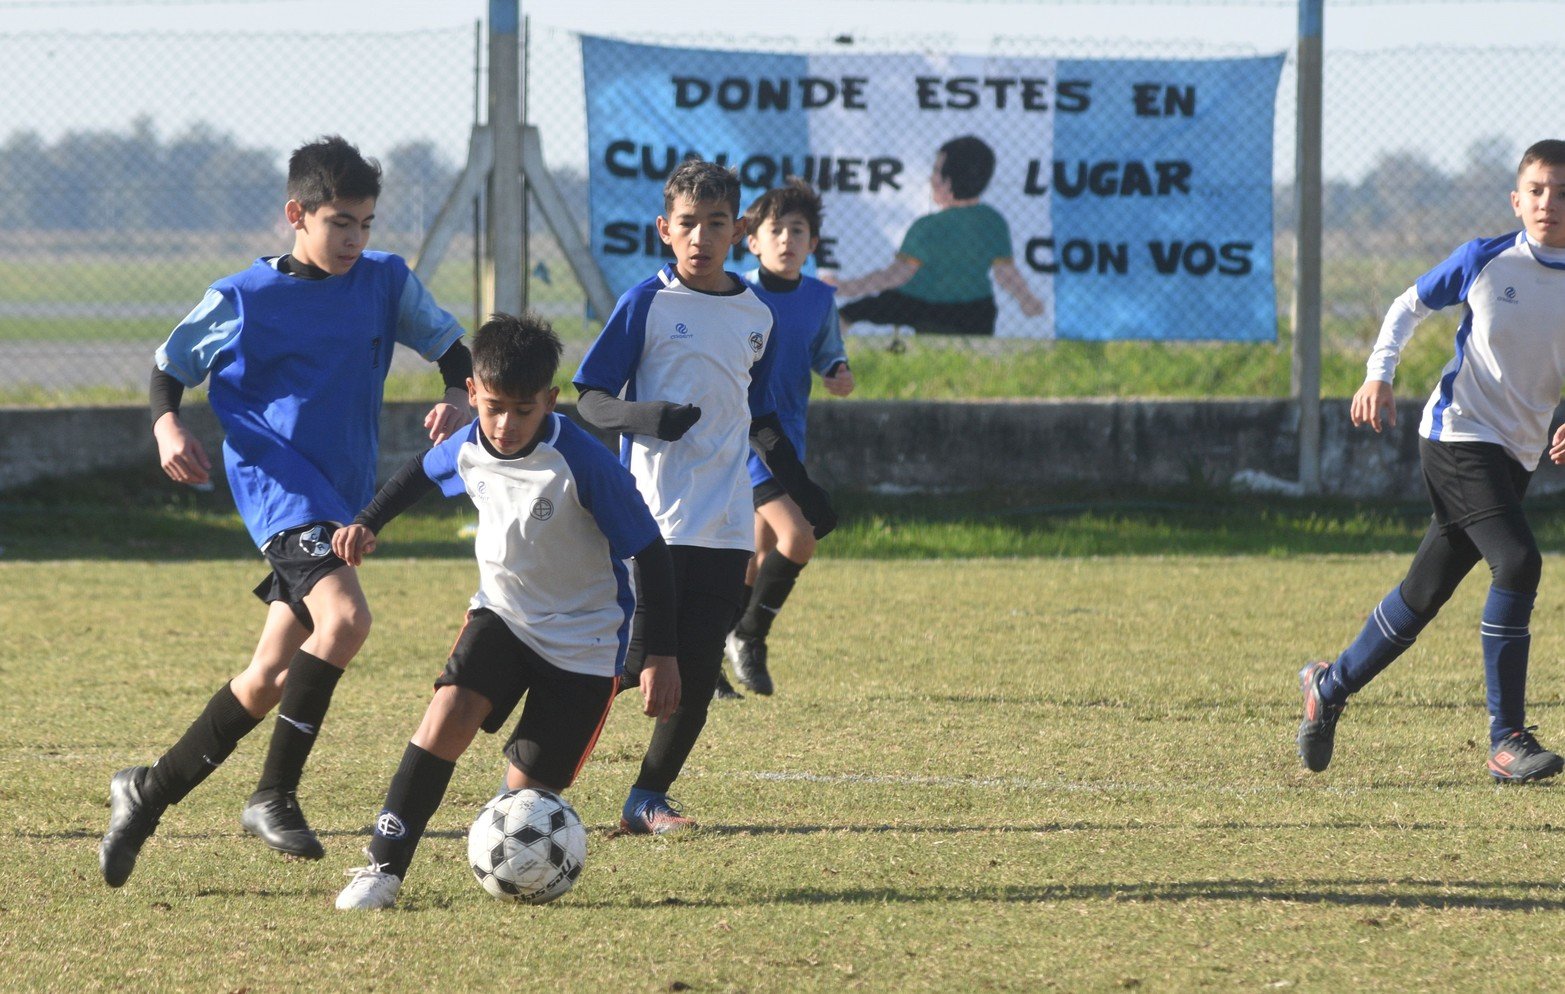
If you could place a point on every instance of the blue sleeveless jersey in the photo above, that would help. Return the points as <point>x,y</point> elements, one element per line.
<point>298,369</point>
<point>808,337</point>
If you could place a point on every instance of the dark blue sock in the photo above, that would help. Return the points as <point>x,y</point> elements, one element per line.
<point>1506,642</point>
<point>1391,628</point>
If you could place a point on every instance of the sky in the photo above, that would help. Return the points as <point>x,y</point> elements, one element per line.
<point>90,91</point>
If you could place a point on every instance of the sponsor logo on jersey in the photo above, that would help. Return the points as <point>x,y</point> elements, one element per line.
<point>316,542</point>
<point>480,490</point>
<point>543,509</point>
<point>681,332</point>
<point>389,826</point>
<point>1510,296</point>
<point>757,342</point>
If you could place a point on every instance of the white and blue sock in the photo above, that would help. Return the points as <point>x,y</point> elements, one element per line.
<point>1392,627</point>
<point>1506,643</point>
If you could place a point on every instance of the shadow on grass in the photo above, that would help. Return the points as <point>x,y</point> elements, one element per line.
<point>141,515</point>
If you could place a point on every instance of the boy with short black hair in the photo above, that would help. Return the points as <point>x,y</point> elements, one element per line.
<point>297,347</point>
<point>692,350</point>
<point>939,281</point>
<point>1483,430</point>
<point>784,228</point>
<point>558,519</point>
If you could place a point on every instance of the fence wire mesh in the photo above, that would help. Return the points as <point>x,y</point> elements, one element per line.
<point>128,182</point>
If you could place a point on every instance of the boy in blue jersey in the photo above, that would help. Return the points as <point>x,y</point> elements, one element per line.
<point>784,228</point>
<point>939,281</point>
<point>297,348</point>
<point>682,369</point>
<point>1483,430</point>
<point>558,520</point>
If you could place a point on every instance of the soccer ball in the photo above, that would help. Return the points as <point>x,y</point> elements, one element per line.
<point>527,845</point>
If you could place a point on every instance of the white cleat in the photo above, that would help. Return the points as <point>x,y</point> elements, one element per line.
<point>371,889</point>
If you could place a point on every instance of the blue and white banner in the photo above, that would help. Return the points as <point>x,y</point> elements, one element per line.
<point>1138,193</point>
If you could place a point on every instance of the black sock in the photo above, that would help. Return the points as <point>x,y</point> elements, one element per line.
<point>206,743</point>
<point>744,604</point>
<point>773,583</point>
<point>306,696</point>
<point>416,791</point>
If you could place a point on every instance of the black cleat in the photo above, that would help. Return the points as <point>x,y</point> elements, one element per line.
<point>748,657</point>
<point>1318,730</point>
<point>274,817</point>
<point>1518,758</point>
<point>725,691</point>
<point>131,822</point>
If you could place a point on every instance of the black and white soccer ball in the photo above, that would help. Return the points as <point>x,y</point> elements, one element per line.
<point>527,845</point>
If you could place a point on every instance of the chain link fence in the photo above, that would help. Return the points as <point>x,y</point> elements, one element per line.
<point>130,184</point>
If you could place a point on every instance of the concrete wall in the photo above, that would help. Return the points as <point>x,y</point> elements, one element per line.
<point>913,445</point>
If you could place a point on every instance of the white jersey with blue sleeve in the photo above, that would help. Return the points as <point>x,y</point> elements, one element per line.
<point>668,342</point>
<point>298,369</point>
<point>557,527</point>
<point>1503,382</point>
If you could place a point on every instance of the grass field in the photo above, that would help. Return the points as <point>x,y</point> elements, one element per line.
<point>1046,766</point>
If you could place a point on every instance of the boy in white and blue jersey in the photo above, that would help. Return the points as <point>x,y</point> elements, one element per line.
<point>296,349</point>
<point>683,370</point>
<point>1484,428</point>
<point>559,521</point>
<point>784,226</point>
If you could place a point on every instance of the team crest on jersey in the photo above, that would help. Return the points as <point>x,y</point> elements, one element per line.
<point>1510,296</point>
<point>681,332</point>
<point>389,826</point>
<point>316,542</point>
<point>757,343</point>
<point>543,509</point>
<point>480,490</point>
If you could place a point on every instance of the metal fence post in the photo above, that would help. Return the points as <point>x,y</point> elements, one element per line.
<point>503,264</point>
<point>1307,249</point>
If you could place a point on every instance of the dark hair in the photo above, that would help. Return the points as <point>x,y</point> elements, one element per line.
<point>968,166</point>
<point>330,169</point>
<point>1550,152</point>
<point>517,356</point>
<point>795,196</point>
<point>700,181</point>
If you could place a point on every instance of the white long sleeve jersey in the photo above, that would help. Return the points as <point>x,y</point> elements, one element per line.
<point>1503,382</point>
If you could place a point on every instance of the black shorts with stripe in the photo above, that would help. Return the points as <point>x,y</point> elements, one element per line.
<point>563,714</point>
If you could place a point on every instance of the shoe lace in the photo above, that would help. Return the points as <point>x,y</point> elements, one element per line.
<point>1526,741</point>
<point>360,872</point>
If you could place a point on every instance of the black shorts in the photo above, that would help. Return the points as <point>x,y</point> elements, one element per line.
<point>1471,481</point>
<point>926,317</point>
<point>765,493</point>
<point>564,712</point>
<point>299,557</point>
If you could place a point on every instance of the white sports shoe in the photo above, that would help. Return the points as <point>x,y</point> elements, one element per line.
<point>371,889</point>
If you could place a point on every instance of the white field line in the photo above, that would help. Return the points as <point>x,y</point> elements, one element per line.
<point>1068,786</point>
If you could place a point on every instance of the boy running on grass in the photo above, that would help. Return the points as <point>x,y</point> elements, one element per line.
<point>297,348</point>
<point>683,370</point>
<point>558,520</point>
<point>1483,430</point>
<point>784,228</point>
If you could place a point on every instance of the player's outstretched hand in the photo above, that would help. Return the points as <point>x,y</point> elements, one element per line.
<point>840,382</point>
<point>447,416</point>
<point>660,687</point>
<point>180,453</point>
<point>352,543</point>
<point>675,419</point>
<point>1557,446</point>
<point>1374,405</point>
